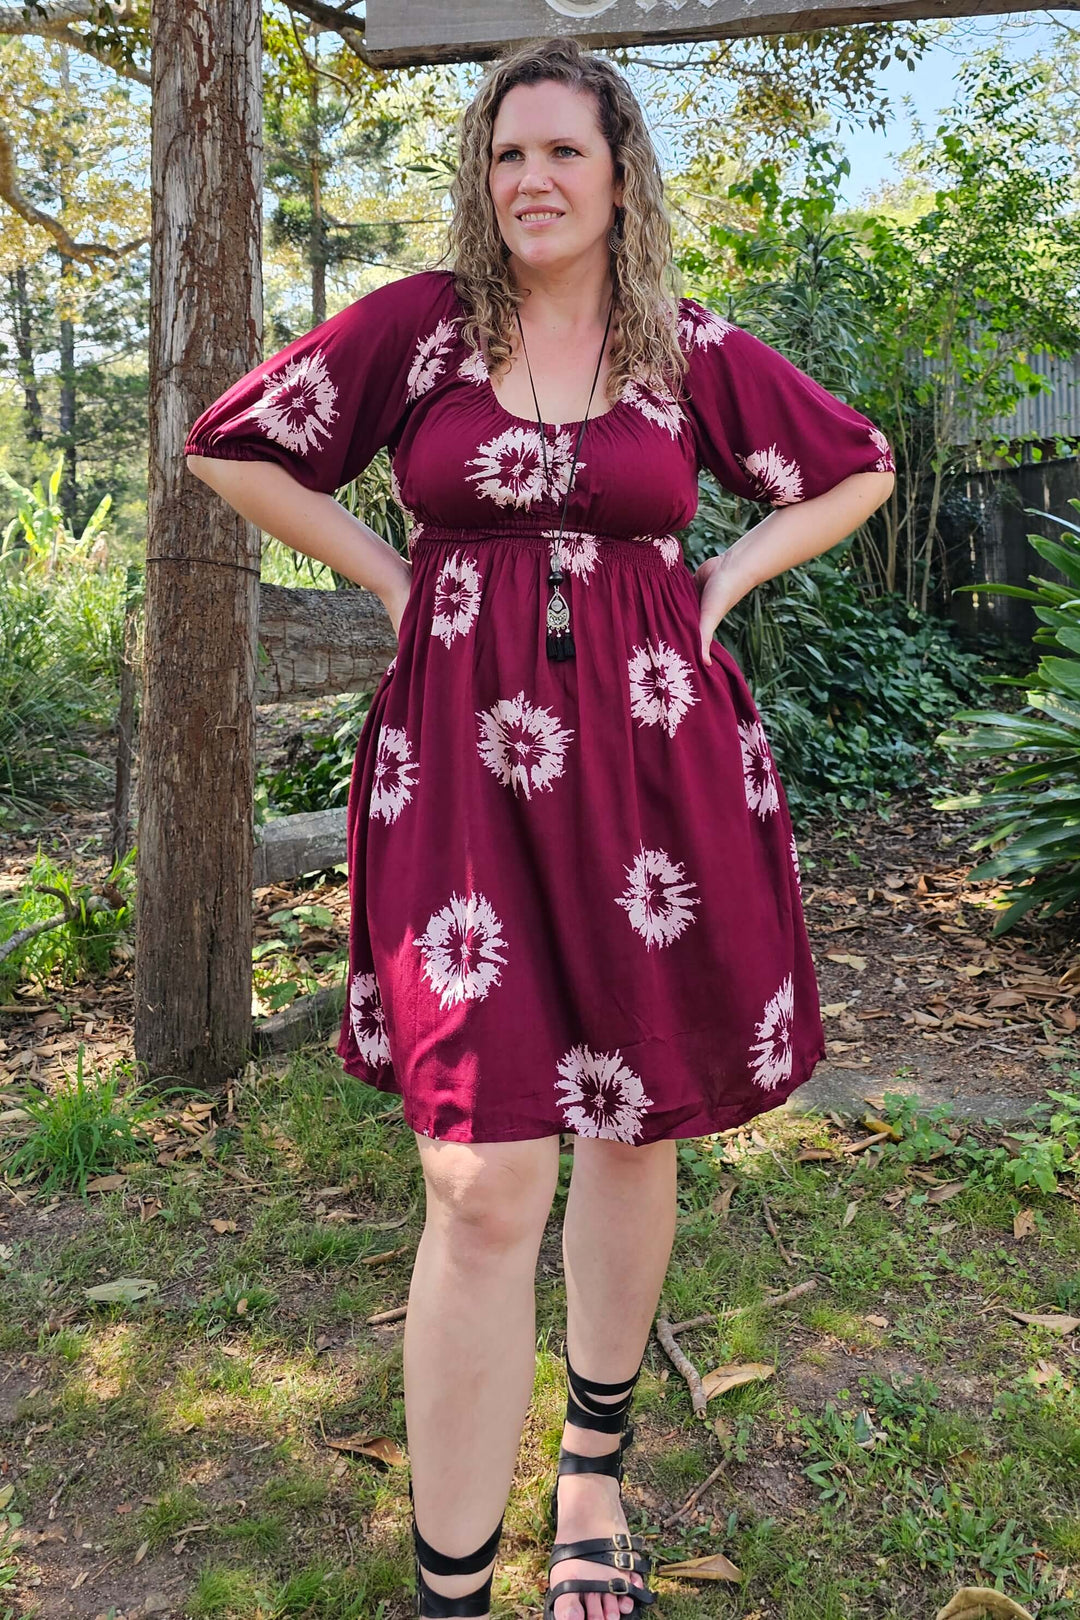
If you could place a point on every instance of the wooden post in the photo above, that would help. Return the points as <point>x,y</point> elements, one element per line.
<point>197,726</point>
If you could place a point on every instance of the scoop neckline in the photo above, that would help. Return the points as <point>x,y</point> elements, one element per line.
<point>526,421</point>
<point>531,421</point>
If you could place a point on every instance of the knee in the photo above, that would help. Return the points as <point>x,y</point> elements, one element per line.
<point>488,1198</point>
<point>606,1156</point>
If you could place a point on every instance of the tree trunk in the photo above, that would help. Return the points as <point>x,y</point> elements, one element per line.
<point>24,349</point>
<point>69,481</point>
<point>197,730</point>
<point>318,244</point>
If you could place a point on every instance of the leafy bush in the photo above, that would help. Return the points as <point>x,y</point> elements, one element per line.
<point>851,690</point>
<point>42,704</point>
<point>318,770</point>
<point>61,631</point>
<point>84,946</point>
<point>1031,811</point>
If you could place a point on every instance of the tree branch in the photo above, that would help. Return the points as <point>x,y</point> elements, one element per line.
<point>52,18</point>
<point>10,193</point>
<point>337,20</point>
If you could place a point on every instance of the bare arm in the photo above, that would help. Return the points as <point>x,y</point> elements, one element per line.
<point>310,522</point>
<point>789,535</point>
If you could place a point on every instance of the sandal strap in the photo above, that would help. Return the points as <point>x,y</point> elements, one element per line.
<point>617,1584</point>
<point>437,1605</point>
<point>586,1412</point>
<point>621,1550</point>
<point>432,1605</point>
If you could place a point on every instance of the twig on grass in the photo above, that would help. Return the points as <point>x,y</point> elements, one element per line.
<point>695,1495</point>
<point>682,1365</point>
<point>711,1317</point>
<point>771,1224</point>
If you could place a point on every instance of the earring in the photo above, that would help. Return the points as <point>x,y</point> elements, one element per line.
<point>615,235</point>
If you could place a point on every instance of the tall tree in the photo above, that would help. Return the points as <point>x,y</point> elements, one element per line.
<point>196,781</point>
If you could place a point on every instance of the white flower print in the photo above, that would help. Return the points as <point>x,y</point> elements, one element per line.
<point>759,773</point>
<point>780,478</point>
<point>602,1096</point>
<point>577,553</point>
<point>510,467</point>
<point>772,1062</point>
<point>474,369</point>
<point>795,862</point>
<point>884,462</point>
<point>460,947</point>
<point>522,743</point>
<point>669,548</point>
<point>394,775</point>
<point>367,1019</point>
<point>661,690</point>
<point>429,361</point>
<point>699,327</point>
<point>457,598</point>
<point>297,406</point>
<point>657,899</point>
<point>655,404</point>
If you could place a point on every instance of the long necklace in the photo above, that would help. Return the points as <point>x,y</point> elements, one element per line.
<point>560,642</point>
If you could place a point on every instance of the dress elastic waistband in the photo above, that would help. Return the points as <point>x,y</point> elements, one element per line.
<point>661,551</point>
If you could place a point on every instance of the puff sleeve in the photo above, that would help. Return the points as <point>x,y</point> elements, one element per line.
<point>765,429</point>
<point>325,404</point>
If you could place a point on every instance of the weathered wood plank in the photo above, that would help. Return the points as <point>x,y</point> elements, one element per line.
<point>292,845</point>
<point>309,1018</point>
<point>400,33</point>
<point>319,643</point>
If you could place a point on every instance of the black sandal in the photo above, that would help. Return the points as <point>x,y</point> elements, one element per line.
<point>435,1604</point>
<point>622,1550</point>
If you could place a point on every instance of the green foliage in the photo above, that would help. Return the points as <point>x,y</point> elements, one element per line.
<point>61,635</point>
<point>1037,1157</point>
<point>280,971</point>
<point>42,704</point>
<point>85,945</point>
<point>236,1304</point>
<point>316,776</point>
<point>87,1128</point>
<point>851,690</point>
<point>38,535</point>
<point>1031,811</point>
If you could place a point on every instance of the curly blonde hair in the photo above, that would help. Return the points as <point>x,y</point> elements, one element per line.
<point>645,280</point>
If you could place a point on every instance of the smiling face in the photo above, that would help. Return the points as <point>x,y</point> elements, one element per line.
<point>549,156</point>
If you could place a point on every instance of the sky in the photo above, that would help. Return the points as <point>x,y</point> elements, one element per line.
<point>873,155</point>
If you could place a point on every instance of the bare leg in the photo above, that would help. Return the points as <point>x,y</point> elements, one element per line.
<point>470,1336</point>
<point>617,1235</point>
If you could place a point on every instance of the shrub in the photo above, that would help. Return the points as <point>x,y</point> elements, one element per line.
<point>1031,811</point>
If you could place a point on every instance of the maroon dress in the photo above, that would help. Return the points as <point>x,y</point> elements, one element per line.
<point>574,884</point>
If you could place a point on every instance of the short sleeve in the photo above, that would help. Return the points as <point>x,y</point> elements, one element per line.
<point>765,429</point>
<point>324,405</point>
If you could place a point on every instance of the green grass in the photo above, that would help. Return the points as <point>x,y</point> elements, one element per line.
<point>89,1127</point>
<point>873,1472</point>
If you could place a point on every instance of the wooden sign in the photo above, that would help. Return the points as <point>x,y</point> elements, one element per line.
<point>404,33</point>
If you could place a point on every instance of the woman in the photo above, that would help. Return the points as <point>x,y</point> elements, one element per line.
<point>574,884</point>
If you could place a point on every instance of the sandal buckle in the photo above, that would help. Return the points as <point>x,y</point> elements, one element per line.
<point>623,1560</point>
<point>619,1586</point>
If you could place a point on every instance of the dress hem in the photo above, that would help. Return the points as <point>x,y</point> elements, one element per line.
<point>706,1122</point>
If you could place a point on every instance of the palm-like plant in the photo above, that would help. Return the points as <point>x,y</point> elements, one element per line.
<point>1032,810</point>
<point>46,541</point>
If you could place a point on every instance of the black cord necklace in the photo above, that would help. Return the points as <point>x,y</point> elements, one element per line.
<point>560,643</point>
